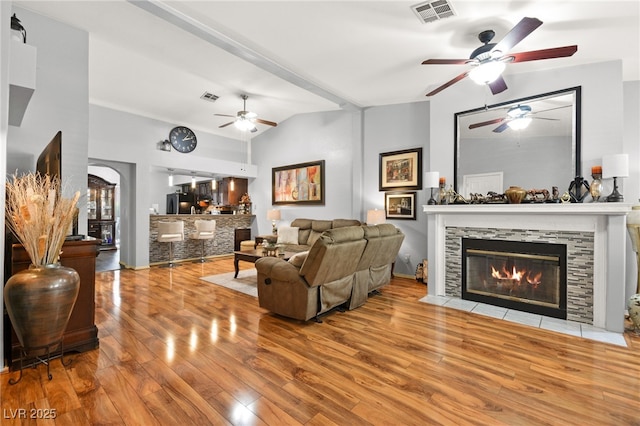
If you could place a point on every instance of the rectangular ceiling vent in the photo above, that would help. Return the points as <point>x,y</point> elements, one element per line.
<point>209,97</point>
<point>433,10</point>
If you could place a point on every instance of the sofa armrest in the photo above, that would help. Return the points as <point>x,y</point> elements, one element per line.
<point>283,291</point>
<point>277,269</point>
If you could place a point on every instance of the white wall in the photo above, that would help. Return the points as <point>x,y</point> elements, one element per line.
<point>602,109</point>
<point>59,102</point>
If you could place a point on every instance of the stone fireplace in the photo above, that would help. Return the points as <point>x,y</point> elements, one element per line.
<point>526,276</point>
<point>593,235</point>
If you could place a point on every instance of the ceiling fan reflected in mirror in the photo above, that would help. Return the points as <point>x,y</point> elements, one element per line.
<point>518,118</point>
<point>489,61</point>
<point>246,120</point>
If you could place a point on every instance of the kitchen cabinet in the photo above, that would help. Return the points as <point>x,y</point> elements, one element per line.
<point>100,212</point>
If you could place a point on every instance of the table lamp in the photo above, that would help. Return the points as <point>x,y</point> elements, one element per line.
<point>273,215</point>
<point>375,216</point>
<point>432,180</point>
<point>615,166</point>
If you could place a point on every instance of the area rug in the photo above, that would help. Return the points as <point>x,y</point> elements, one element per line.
<point>245,283</point>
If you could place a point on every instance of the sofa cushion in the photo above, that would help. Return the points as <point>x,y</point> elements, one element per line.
<point>287,235</point>
<point>298,259</point>
<point>321,225</point>
<point>313,237</point>
<point>340,223</point>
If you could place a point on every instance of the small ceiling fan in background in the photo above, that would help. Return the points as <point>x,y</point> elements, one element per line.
<point>246,120</point>
<point>517,118</point>
<point>488,61</point>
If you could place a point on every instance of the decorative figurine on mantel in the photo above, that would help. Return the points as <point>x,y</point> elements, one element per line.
<point>576,189</point>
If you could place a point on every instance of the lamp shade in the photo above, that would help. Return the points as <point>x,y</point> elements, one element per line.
<point>616,165</point>
<point>273,214</point>
<point>432,179</point>
<point>375,217</point>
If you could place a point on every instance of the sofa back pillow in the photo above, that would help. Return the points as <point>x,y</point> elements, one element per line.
<point>287,235</point>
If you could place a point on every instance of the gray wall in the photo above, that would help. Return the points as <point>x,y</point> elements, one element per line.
<point>60,102</point>
<point>5,9</point>
<point>129,144</point>
<point>350,143</point>
<point>393,128</point>
<point>335,137</point>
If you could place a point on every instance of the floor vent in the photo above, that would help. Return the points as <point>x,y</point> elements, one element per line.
<point>209,97</point>
<point>433,10</point>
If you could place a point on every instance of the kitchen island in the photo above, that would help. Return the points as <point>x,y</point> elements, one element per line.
<point>221,244</point>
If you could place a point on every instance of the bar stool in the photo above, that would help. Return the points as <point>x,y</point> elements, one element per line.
<point>170,232</point>
<point>205,230</point>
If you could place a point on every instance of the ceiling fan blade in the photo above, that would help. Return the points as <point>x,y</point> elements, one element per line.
<point>226,124</point>
<point>268,123</point>
<point>501,128</point>
<point>544,118</point>
<point>518,33</point>
<point>445,62</point>
<point>534,55</point>
<point>486,123</point>
<point>498,85</point>
<point>225,115</point>
<point>448,83</point>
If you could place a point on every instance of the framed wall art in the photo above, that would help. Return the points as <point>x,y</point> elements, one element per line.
<point>401,170</point>
<point>298,183</point>
<point>400,205</point>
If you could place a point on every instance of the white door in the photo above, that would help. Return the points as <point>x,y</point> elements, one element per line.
<point>482,183</point>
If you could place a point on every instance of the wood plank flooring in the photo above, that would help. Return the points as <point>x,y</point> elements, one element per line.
<point>177,350</point>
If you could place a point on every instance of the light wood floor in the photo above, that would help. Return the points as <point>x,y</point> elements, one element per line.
<point>177,350</point>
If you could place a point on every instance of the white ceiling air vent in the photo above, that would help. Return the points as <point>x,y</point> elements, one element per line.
<point>433,10</point>
<point>209,97</point>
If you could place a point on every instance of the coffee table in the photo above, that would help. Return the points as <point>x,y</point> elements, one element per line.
<point>252,256</point>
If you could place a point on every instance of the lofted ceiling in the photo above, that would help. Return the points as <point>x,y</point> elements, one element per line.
<point>156,58</point>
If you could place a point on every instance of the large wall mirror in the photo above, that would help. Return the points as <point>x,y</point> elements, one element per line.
<point>491,154</point>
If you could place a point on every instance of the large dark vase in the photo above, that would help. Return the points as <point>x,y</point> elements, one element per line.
<point>39,301</point>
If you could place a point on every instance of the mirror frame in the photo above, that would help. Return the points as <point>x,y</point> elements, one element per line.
<point>577,125</point>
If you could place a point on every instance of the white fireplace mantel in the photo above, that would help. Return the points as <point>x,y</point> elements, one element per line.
<point>607,221</point>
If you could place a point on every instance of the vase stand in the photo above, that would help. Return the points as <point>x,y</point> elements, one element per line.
<point>39,360</point>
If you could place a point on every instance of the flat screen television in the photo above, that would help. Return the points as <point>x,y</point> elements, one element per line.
<point>50,159</point>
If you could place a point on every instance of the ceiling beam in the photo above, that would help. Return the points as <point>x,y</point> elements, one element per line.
<point>210,35</point>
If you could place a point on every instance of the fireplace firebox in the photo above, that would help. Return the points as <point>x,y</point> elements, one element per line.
<point>521,275</point>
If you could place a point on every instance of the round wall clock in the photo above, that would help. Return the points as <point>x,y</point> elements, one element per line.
<point>183,139</point>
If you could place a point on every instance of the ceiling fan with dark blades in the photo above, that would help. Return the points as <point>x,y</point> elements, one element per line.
<point>246,120</point>
<point>488,61</point>
<point>517,118</point>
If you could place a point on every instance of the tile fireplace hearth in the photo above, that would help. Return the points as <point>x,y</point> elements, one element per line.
<point>594,236</point>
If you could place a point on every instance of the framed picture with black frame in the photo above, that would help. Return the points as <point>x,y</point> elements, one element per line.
<point>400,205</point>
<point>401,170</point>
<point>298,183</point>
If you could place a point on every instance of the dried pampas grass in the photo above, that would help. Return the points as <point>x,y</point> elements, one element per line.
<point>39,216</point>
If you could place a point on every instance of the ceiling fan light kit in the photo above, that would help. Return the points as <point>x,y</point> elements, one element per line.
<point>520,123</point>
<point>245,120</point>
<point>487,72</point>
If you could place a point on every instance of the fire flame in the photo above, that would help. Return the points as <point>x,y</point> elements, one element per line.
<point>517,276</point>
